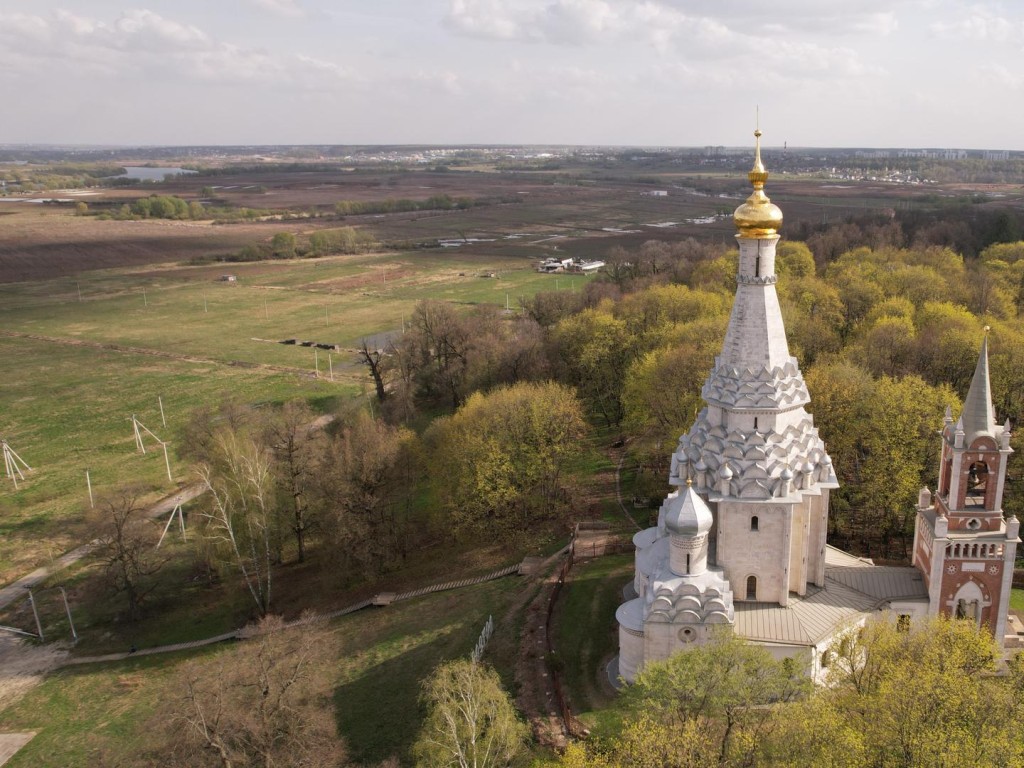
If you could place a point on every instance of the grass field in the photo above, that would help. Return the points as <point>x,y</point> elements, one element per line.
<point>586,634</point>
<point>1017,601</point>
<point>67,410</point>
<point>86,712</point>
<point>67,407</point>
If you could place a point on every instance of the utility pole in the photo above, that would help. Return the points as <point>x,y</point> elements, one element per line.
<point>67,608</point>
<point>39,625</point>
<point>88,482</point>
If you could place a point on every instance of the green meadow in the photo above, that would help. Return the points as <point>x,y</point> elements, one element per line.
<point>67,408</point>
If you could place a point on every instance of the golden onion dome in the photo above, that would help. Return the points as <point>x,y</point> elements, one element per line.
<point>758,217</point>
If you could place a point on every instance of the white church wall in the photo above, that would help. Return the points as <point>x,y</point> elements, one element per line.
<point>631,653</point>
<point>798,547</point>
<point>754,553</point>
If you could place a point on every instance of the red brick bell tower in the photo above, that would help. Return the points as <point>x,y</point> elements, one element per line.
<point>963,545</point>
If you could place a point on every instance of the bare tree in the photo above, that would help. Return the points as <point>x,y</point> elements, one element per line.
<point>297,443</point>
<point>374,360</point>
<point>265,704</point>
<point>125,549</point>
<point>443,341</point>
<point>240,515</point>
<point>365,482</point>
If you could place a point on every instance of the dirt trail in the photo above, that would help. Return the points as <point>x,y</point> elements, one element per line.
<point>22,666</point>
<point>536,696</point>
<point>157,353</point>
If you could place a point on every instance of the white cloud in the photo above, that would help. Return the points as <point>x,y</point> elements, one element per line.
<point>290,8</point>
<point>1003,76</point>
<point>583,21</point>
<point>725,51</point>
<point>141,41</point>
<point>979,24</point>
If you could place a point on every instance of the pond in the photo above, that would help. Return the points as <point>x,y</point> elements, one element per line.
<point>147,173</point>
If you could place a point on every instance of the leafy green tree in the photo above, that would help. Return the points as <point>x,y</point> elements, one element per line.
<point>470,720</point>
<point>897,454</point>
<point>926,696</point>
<point>814,316</point>
<point>283,245</point>
<point>887,347</point>
<point>717,274</point>
<point>947,344</point>
<point>793,259</point>
<point>715,697</point>
<point>497,463</point>
<point>595,349</point>
<point>651,314</point>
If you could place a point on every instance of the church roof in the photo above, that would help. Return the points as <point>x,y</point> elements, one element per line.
<point>881,582</point>
<point>687,514</point>
<point>854,589</point>
<point>978,417</point>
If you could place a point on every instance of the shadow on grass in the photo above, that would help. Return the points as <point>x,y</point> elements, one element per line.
<point>586,632</point>
<point>379,713</point>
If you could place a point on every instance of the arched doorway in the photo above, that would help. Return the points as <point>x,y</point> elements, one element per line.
<point>968,603</point>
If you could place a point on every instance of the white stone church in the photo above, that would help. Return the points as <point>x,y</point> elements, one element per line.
<point>742,543</point>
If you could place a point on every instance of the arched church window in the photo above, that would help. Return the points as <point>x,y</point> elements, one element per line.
<point>752,588</point>
<point>753,523</point>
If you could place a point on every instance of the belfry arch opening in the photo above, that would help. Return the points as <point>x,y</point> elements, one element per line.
<point>977,484</point>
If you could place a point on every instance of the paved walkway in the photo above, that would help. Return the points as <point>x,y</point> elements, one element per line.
<point>10,743</point>
<point>16,590</point>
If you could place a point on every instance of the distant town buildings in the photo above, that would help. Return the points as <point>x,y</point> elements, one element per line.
<point>579,266</point>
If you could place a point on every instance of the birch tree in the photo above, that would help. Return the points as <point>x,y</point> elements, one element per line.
<point>240,514</point>
<point>470,721</point>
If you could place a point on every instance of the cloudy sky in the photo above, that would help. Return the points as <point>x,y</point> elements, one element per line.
<point>884,73</point>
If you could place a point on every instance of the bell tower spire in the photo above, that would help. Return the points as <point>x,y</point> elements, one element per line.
<point>963,545</point>
<point>978,415</point>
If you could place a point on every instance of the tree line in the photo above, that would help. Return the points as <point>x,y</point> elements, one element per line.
<point>927,694</point>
